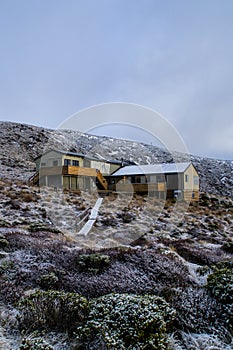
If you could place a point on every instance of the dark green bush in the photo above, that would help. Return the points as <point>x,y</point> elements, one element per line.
<point>52,310</point>
<point>228,247</point>
<point>48,281</point>
<point>124,321</point>
<point>34,344</point>
<point>94,263</point>
<point>5,266</point>
<point>3,243</point>
<point>220,284</point>
<point>38,227</point>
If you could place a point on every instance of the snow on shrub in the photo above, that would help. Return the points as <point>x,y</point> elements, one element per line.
<point>125,321</point>
<point>52,310</point>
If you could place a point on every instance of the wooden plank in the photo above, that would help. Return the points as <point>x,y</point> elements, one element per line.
<point>94,212</point>
<point>190,195</point>
<point>102,181</point>
<point>68,170</point>
<point>138,188</point>
<point>161,186</point>
<point>95,209</point>
<point>81,171</point>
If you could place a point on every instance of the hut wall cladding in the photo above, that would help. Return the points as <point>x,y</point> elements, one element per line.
<point>191,195</point>
<point>191,173</point>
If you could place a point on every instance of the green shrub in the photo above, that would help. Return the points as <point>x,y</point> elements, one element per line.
<point>220,284</point>
<point>48,281</point>
<point>124,321</point>
<point>34,344</point>
<point>3,243</point>
<point>94,263</point>
<point>52,310</point>
<point>228,247</point>
<point>6,266</point>
<point>38,227</point>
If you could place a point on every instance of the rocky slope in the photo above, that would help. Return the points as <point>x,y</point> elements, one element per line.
<point>20,144</point>
<point>185,266</point>
<point>166,285</point>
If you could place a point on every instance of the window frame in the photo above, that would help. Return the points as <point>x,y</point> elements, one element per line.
<point>67,161</point>
<point>75,162</point>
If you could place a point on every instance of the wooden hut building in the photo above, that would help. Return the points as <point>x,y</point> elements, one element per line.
<point>73,171</point>
<point>170,180</point>
<point>76,171</point>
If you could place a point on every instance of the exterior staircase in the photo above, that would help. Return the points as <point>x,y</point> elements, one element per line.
<point>101,181</point>
<point>34,179</point>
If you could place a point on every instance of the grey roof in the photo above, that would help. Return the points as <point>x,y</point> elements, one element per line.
<point>164,168</point>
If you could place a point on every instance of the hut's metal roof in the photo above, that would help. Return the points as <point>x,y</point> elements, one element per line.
<point>164,168</point>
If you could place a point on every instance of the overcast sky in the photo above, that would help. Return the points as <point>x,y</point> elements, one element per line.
<point>176,57</point>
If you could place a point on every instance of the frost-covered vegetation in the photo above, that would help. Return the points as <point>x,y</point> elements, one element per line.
<point>168,287</point>
<point>123,321</point>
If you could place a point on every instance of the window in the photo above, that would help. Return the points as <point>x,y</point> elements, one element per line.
<point>133,179</point>
<point>138,179</point>
<point>55,163</point>
<point>143,179</point>
<point>67,161</point>
<point>86,163</point>
<point>186,178</point>
<point>196,180</point>
<point>75,162</point>
<point>43,164</point>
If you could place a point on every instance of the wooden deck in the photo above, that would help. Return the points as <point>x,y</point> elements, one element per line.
<point>72,171</point>
<point>141,188</point>
<point>68,170</point>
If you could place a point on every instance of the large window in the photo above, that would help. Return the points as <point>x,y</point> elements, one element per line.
<point>143,179</point>
<point>75,162</point>
<point>67,161</point>
<point>138,179</point>
<point>196,180</point>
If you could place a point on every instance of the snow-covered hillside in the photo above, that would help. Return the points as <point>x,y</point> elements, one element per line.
<point>20,144</point>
